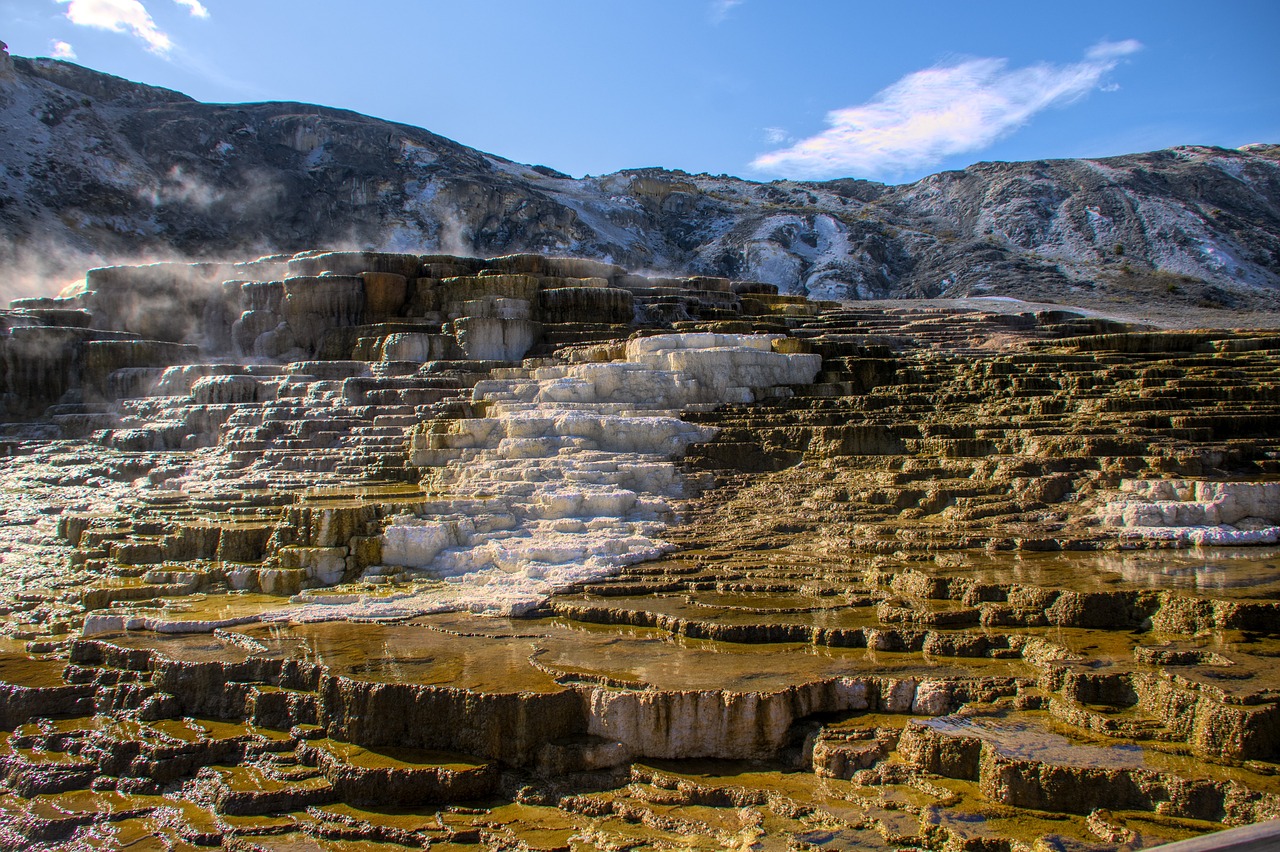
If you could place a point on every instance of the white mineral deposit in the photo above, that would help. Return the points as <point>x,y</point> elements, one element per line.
<point>569,476</point>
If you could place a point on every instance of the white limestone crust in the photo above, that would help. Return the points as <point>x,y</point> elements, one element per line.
<point>1196,512</point>
<point>568,476</point>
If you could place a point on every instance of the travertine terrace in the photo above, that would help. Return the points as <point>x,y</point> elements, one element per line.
<point>342,549</point>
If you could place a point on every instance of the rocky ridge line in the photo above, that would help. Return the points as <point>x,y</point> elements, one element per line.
<point>100,169</point>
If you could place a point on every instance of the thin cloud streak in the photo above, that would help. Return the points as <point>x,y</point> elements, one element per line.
<point>929,115</point>
<point>720,9</point>
<point>777,135</point>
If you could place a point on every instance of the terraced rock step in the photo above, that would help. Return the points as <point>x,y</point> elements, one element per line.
<point>1005,450</point>
<point>373,550</point>
<point>911,736</point>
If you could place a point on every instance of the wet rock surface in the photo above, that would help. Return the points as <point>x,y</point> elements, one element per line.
<point>401,550</point>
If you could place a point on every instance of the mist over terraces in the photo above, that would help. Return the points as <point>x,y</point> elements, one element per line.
<point>99,170</point>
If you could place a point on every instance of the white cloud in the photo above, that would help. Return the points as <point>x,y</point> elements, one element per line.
<point>720,9</point>
<point>777,135</point>
<point>1105,51</point>
<point>932,114</point>
<point>197,8</point>
<point>119,16</point>
<point>61,50</point>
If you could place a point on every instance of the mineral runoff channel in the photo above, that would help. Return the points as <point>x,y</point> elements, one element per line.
<point>359,550</point>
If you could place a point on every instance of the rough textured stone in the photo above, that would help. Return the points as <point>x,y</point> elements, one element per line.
<point>247,584</point>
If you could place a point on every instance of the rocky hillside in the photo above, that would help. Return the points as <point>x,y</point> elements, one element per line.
<point>94,168</point>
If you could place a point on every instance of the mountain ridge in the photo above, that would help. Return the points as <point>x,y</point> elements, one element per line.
<point>98,169</point>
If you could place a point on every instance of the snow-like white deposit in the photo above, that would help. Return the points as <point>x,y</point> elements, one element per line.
<point>1196,512</point>
<point>568,476</point>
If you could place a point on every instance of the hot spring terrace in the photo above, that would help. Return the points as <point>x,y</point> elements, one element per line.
<point>348,548</point>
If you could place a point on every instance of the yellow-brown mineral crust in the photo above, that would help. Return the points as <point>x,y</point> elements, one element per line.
<point>353,548</point>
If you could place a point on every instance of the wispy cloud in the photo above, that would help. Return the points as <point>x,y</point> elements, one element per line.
<point>128,16</point>
<point>720,9</point>
<point>61,50</point>
<point>932,114</point>
<point>196,8</point>
<point>777,135</point>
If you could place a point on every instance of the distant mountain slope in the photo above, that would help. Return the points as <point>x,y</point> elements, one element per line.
<point>96,168</point>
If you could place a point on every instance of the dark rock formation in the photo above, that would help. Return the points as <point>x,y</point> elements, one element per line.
<point>99,170</point>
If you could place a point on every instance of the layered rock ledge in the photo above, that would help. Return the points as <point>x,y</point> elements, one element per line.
<point>534,552</point>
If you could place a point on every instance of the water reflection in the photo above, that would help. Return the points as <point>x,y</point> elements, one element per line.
<point>1228,572</point>
<point>1207,570</point>
<point>1026,739</point>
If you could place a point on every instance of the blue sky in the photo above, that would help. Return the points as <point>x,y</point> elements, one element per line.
<point>762,89</point>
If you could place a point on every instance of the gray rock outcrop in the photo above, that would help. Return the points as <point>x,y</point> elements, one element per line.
<point>98,169</point>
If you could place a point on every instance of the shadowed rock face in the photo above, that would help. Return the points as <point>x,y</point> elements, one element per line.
<point>101,170</point>
<point>785,571</point>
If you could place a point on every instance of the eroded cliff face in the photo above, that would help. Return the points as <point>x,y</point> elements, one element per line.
<point>98,169</point>
<point>357,547</point>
